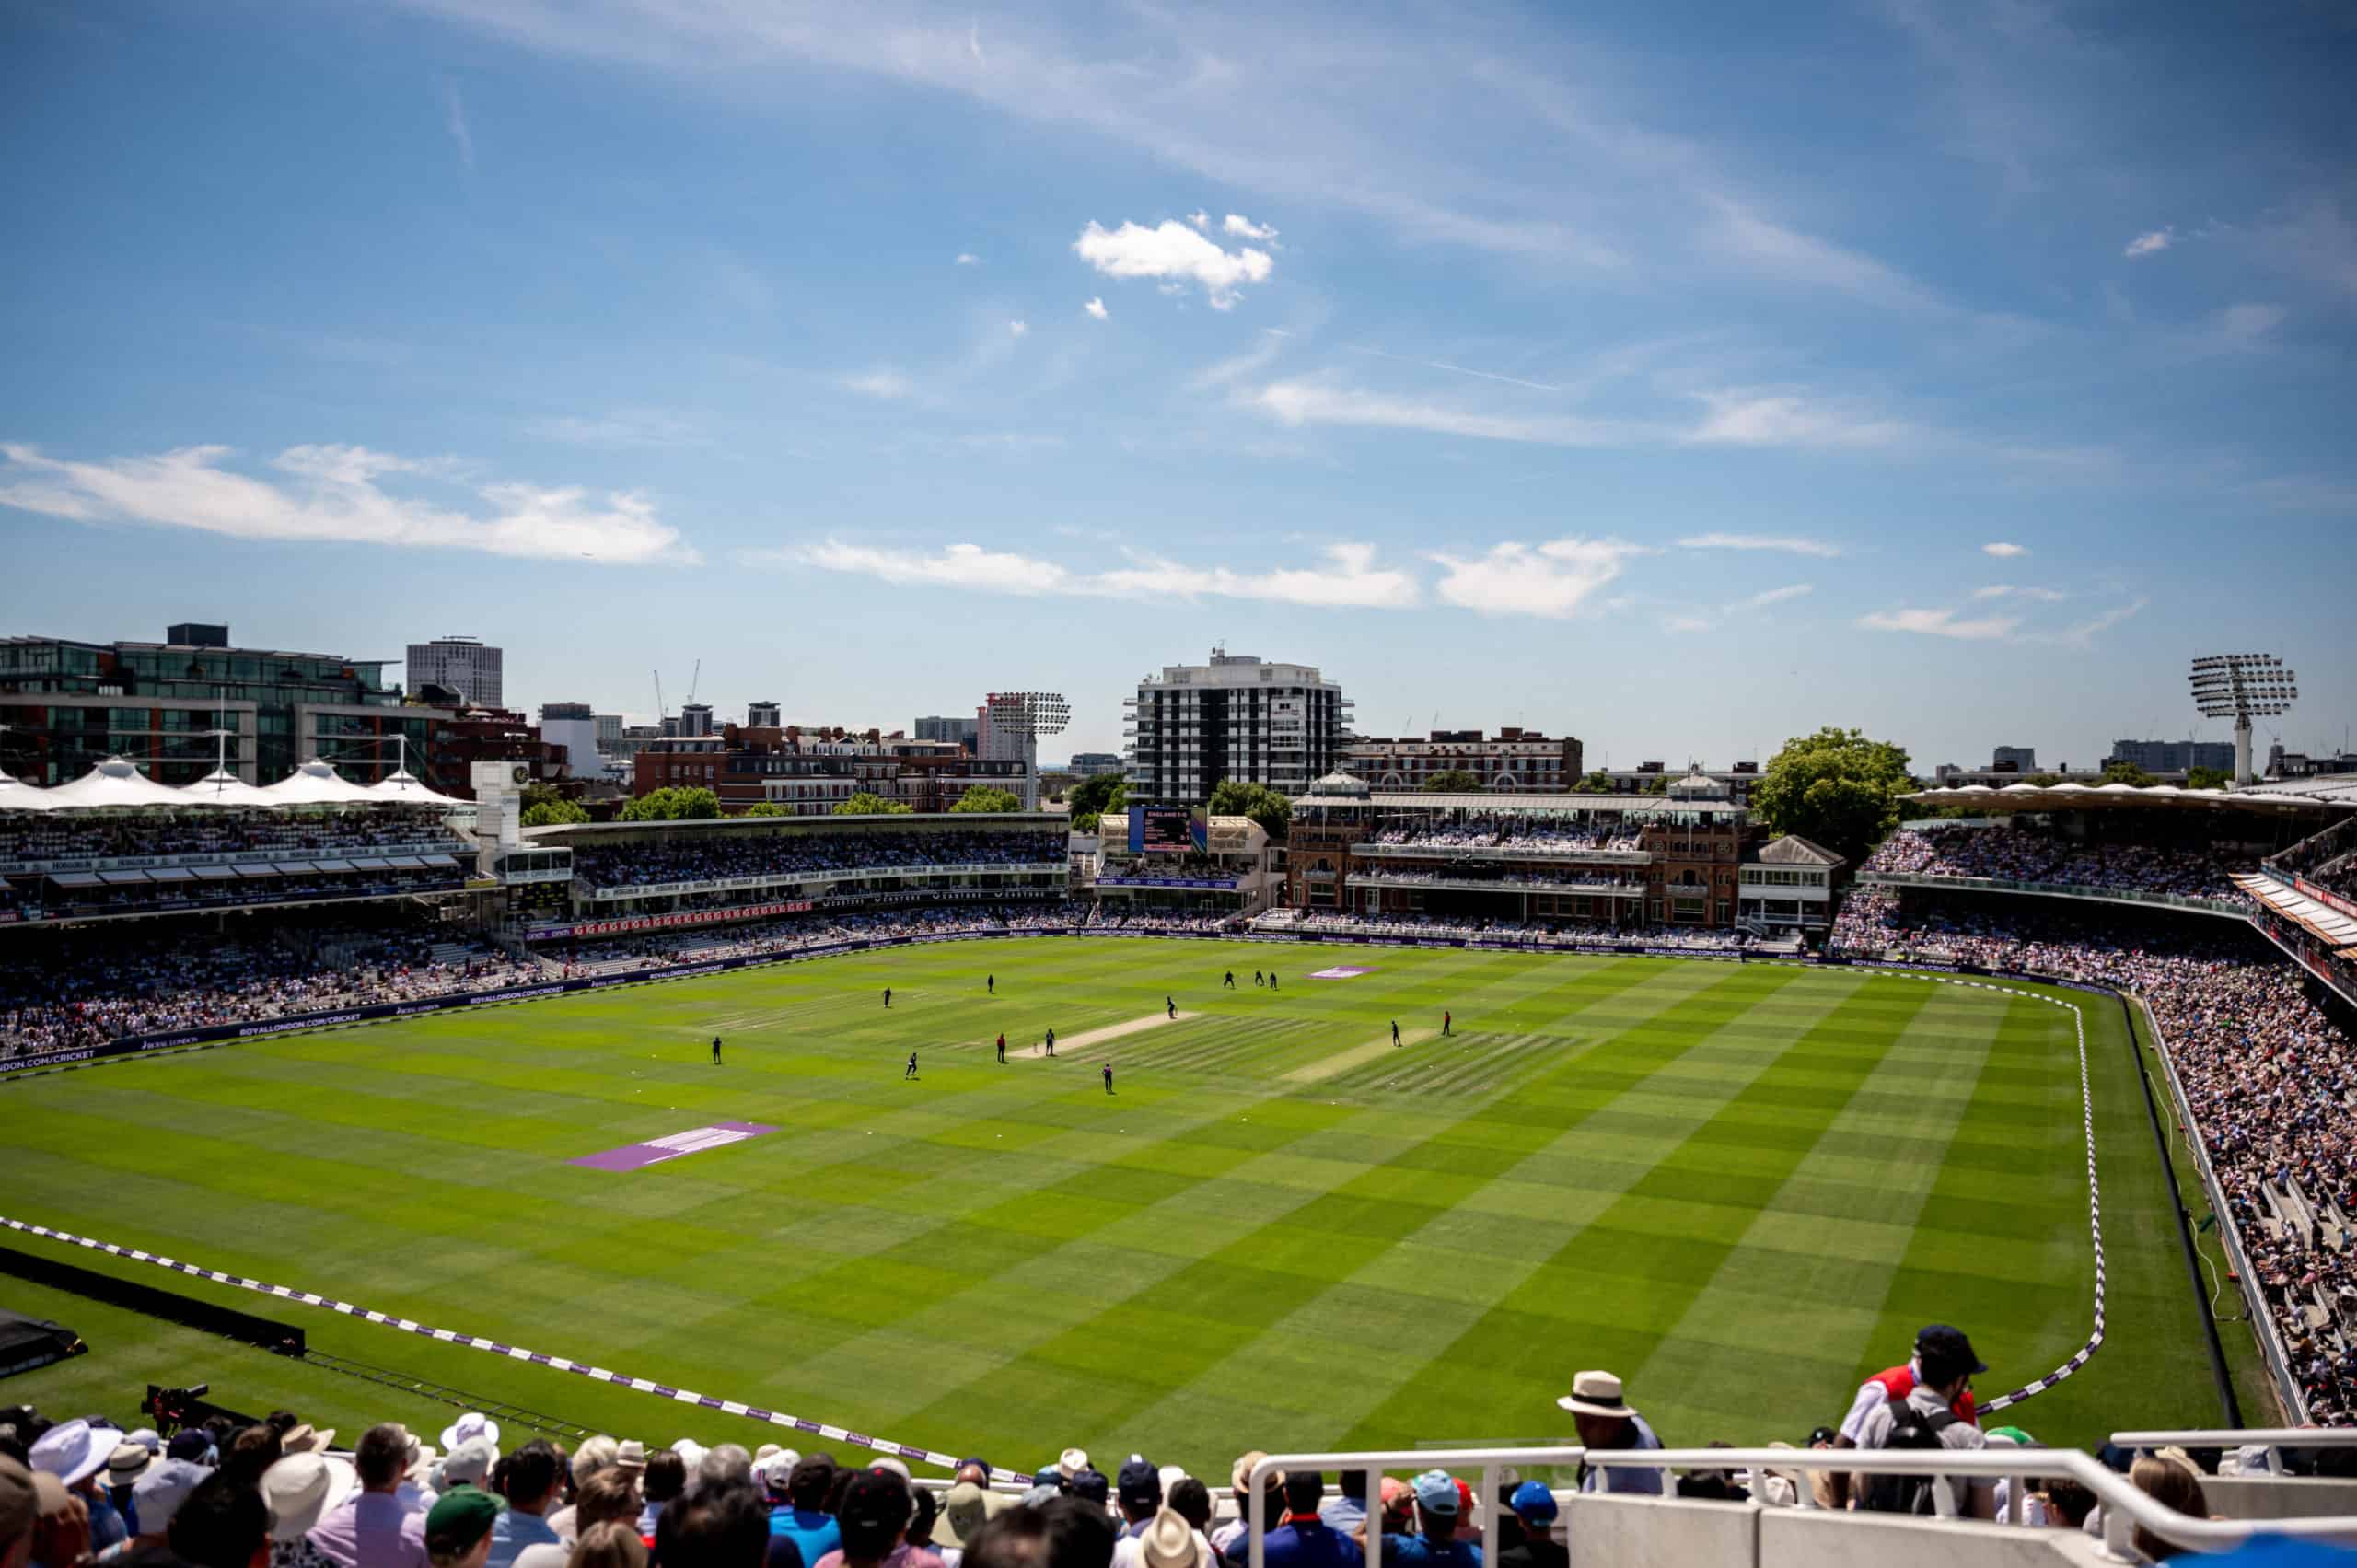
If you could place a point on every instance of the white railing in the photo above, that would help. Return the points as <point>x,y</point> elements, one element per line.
<point>2271,1341</point>
<point>2125,1509</point>
<point>2273,1439</point>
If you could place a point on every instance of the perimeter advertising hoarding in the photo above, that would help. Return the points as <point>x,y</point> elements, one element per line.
<point>1167,830</point>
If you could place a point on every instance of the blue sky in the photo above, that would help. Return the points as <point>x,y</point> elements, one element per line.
<point>1681,376</point>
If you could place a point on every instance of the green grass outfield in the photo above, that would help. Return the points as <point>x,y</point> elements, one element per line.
<point>1739,1186</point>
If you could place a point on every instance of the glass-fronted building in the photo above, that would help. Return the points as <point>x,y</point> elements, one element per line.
<point>177,707</point>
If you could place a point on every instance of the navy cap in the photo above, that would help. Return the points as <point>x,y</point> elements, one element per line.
<point>1089,1486</point>
<point>1532,1501</point>
<point>1942,1342</point>
<point>1139,1484</point>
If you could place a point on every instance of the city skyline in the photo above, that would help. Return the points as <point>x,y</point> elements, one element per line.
<point>1957,374</point>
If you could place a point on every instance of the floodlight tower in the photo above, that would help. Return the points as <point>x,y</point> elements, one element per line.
<point>1016,721</point>
<point>2241,687</point>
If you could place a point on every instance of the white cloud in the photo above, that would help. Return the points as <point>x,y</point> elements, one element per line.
<point>1686,624</point>
<point>2244,324</point>
<point>1779,596</point>
<point>882,382</point>
<point>1018,329</point>
<point>1172,251</point>
<point>1096,308</point>
<point>454,121</point>
<point>1789,544</point>
<point>1785,419</point>
<point>1242,227</point>
<point>1350,578</point>
<point>1940,623</point>
<point>1551,579</point>
<point>2152,242</point>
<point>1764,246</point>
<point>337,494</point>
<point>2004,551</point>
<point>966,258</point>
<point>1313,401</point>
<point>2085,631</point>
<point>2009,590</point>
<point>1200,218</point>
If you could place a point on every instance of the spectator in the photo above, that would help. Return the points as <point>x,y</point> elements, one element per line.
<point>1193,1501</point>
<point>722,1526</point>
<point>529,1479</point>
<point>373,1528</point>
<point>300,1489</point>
<point>667,1477</point>
<point>251,1452</point>
<point>609,1543</point>
<point>223,1523</point>
<point>1346,1510</point>
<point>156,1497</point>
<point>1606,1420</point>
<point>608,1496</point>
<point>1064,1533</point>
<point>75,1452</point>
<point>1139,1491</point>
<point>1305,1540</point>
<point>1534,1505</point>
<point>1439,1508</point>
<point>1926,1418</point>
<point>594,1455</point>
<point>1090,1486</point>
<point>965,1509</point>
<point>874,1517</point>
<point>804,1520</point>
<point>19,1510</point>
<point>469,1464</point>
<point>2172,1483</point>
<point>1168,1543</point>
<point>458,1525</point>
<point>1223,1539</point>
<point>125,1464</point>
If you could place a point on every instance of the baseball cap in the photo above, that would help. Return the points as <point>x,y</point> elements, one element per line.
<point>1436,1492</point>
<point>459,1519</point>
<point>1139,1484</point>
<point>2012,1435</point>
<point>157,1495</point>
<point>1532,1501</point>
<point>469,1462</point>
<point>1090,1486</point>
<point>192,1445</point>
<point>1941,1342</point>
<point>876,1500</point>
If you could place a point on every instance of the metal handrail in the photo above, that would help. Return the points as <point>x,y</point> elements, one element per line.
<point>2273,1439</point>
<point>2124,1507</point>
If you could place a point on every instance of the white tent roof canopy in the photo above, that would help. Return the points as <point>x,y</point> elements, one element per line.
<point>317,784</point>
<point>2079,797</point>
<point>222,787</point>
<point>16,794</point>
<point>405,789</point>
<point>113,784</point>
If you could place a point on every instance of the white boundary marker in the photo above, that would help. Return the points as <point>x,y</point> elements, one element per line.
<point>929,1457</point>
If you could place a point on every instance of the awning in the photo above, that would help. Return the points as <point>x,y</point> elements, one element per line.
<point>316,784</point>
<point>257,870</point>
<point>122,879</point>
<point>73,879</point>
<point>331,866</point>
<point>170,874</point>
<point>404,863</point>
<point>215,873</point>
<point>114,783</point>
<point>436,860</point>
<point>372,865</point>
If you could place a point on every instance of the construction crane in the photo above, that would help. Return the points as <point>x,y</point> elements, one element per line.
<point>695,681</point>
<point>661,713</point>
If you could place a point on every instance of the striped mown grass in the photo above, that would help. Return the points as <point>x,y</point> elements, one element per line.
<point>1739,1186</point>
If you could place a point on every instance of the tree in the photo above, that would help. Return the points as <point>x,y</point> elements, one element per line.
<point>1597,783</point>
<point>2044,781</point>
<point>1836,787</point>
<point>1103,792</point>
<point>672,804</point>
<point>767,808</point>
<point>1265,805</point>
<point>868,802</point>
<point>2206,778</point>
<point>552,812</point>
<point>982,797</point>
<point>1453,781</point>
<point>2128,773</point>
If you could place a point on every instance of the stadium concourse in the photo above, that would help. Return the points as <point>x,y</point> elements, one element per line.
<point>147,920</point>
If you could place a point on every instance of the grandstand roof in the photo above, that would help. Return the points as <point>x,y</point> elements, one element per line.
<point>1533,804</point>
<point>222,787</point>
<point>113,784</point>
<point>16,794</point>
<point>402,788</point>
<point>317,784</point>
<point>1795,850</point>
<point>2337,931</point>
<point>2080,797</point>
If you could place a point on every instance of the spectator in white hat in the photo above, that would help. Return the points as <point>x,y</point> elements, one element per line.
<point>76,1454</point>
<point>470,1426</point>
<point>373,1528</point>
<point>594,1455</point>
<point>300,1489</point>
<point>156,1497</point>
<point>1606,1420</point>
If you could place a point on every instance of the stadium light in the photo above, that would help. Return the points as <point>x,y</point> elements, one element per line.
<point>2241,686</point>
<point>1023,717</point>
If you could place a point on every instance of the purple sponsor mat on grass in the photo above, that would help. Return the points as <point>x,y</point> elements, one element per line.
<point>1343,971</point>
<point>695,1139</point>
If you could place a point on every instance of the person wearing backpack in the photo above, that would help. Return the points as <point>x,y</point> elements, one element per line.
<point>1892,1385</point>
<point>1926,1419</point>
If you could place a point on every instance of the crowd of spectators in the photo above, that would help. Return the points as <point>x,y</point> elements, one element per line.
<point>1535,934</point>
<point>82,1493</point>
<point>29,839</point>
<point>1512,834</point>
<point>708,856</point>
<point>2269,1076</point>
<point>81,986</point>
<point>1535,880</point>
<point>2025,855</point>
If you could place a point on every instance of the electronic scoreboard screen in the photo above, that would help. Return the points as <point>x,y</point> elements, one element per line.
<point>1166,829</point>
